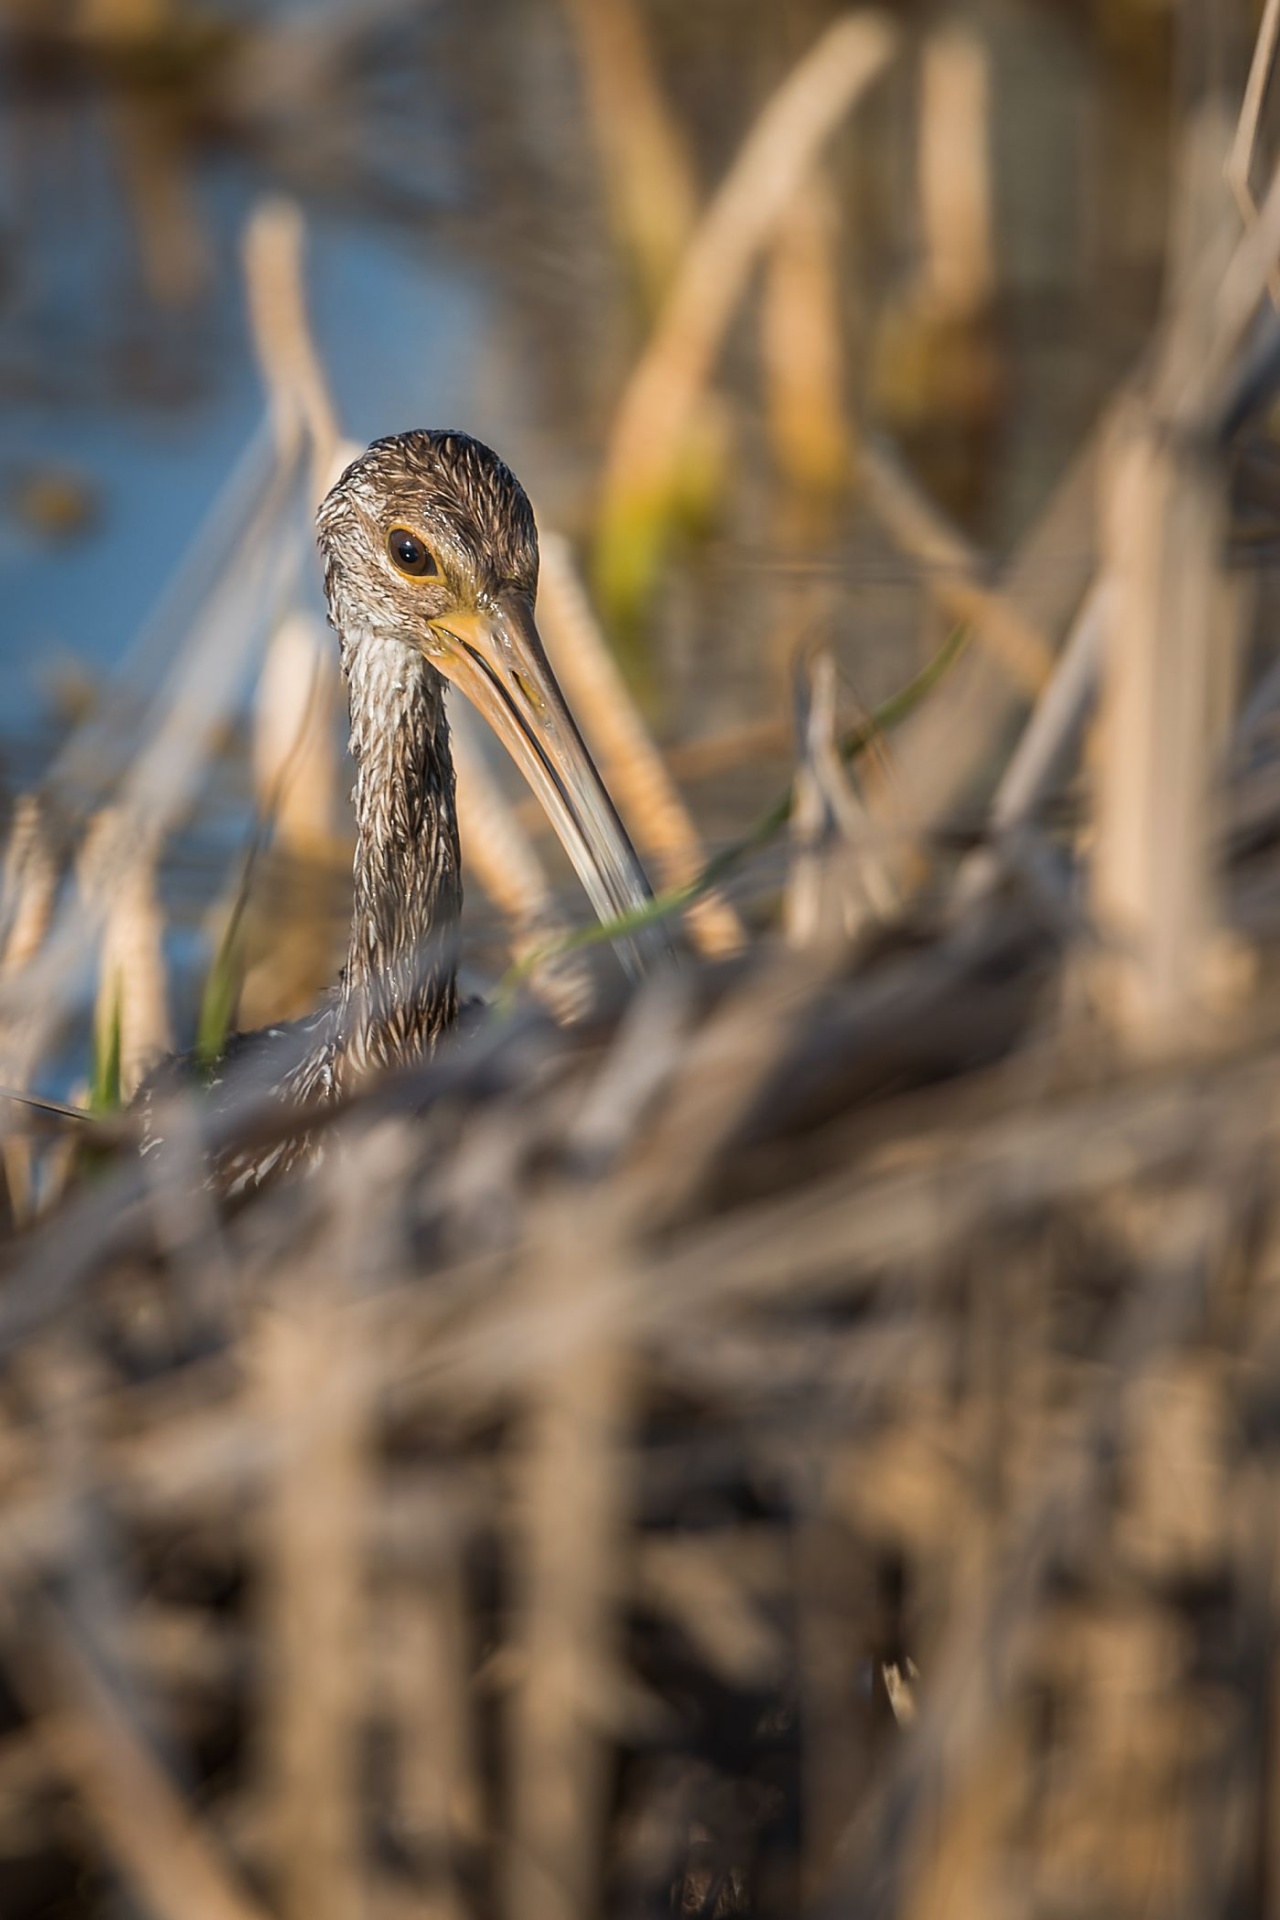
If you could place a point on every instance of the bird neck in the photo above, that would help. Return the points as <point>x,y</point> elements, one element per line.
<point>399,990</point>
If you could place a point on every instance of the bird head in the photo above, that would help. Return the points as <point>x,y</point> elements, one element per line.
<point>429,539</point>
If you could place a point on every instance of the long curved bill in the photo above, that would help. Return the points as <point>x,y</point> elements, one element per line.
<point>495,657</point>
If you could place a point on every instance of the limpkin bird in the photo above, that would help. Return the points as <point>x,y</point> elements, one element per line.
<point>430,557</point>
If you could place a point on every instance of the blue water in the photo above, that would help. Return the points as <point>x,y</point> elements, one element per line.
<point>400,337</point>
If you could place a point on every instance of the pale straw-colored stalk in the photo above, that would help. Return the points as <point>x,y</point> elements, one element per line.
<point>957,274</point>
<point>802,348</point>
<point>132,1005</point>
<point>1049,740</point>
<point>153,1838</point>
<point>275,284</point>
<point>1170,658</point>
<point>837,884</point>
<point>653,194</point>
<point>295,710</point>
<point>573,1503</point>
<point>29,885</point>
<point>943,752</point>
<point>173,243</point>
<point>32,877</point>
<point>121,21</point>
<point>1239,164</point>
<point>313,1587</point>
<point>437,1775</point>
<point>661,398</point>
<point>295,770</point>
<point>952,570</point>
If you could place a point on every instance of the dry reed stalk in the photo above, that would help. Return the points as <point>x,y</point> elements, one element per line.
<point>29,886</point>
<point>653,194</point>
<point>437,1776</point>
<point>722,1069</point>
<point>131,1011</point>
<point>941,754</point>
<point>312,1531</point>
<point>295,710</point>
<point>913,1819</point>
<point>952,571</point>
<point>802,345</point>
<point>957,275</point>
<point>1171,653</point>
<point>274,245</point>
<point>707,755</point>
<point>295,772</point>
<point>121,21</point>
<point>815,1244</point>
<point>837,1630</point>
<point>837,884</point>
<point>936,366</point>
<point>298,696</point>
<point>1152,857</point>
<point>629,759</point>
<point>661,398</point>
<point>177,265</point>
<point>192,661</point>
<point>1239,164</point>
<point>153,1839</point>
<point>1048,741</point>
<point>715,1603</point>
<point>572,1502</point>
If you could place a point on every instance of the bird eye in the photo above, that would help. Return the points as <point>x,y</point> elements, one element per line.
<point>409,553</point>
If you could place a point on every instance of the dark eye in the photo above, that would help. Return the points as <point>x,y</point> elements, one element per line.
<point>409,553</point>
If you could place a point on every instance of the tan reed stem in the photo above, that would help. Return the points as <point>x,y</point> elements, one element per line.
<point>295,772</point>
<point>1171,651</point>
<point>1239,164</point>
<point>944,751</point>
<point>32,877</point>
<point>152,1837</point>
<point>661,397</point>
<point>958,274</point>
<point>1050,736</point>
<point>173,243</point>
<point>312,1592</point>
<point>836,884</point>
<point>122,20</point>
<point>437,1778</point>
<point>29,885</point>
<point>573,1502</point>
<point>952,569</point>
<point>706,755</point>
<point>274,245</point>
<point>802,345</point>
<point>133,976</point>
<point>653,194</point>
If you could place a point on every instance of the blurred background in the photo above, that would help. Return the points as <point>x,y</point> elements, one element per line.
<point>495,214</point>
<point>802,1437</point>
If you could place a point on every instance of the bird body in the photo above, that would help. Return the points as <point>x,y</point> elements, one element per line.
<point>398,991</point>
<point>430,558</point>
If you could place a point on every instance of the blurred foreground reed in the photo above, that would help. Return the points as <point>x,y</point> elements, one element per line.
<point>801,1438</point>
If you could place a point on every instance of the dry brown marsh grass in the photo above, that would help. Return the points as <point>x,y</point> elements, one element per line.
<point>802,1439</point>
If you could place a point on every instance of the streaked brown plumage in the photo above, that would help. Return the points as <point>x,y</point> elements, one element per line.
<point>430,558</point>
